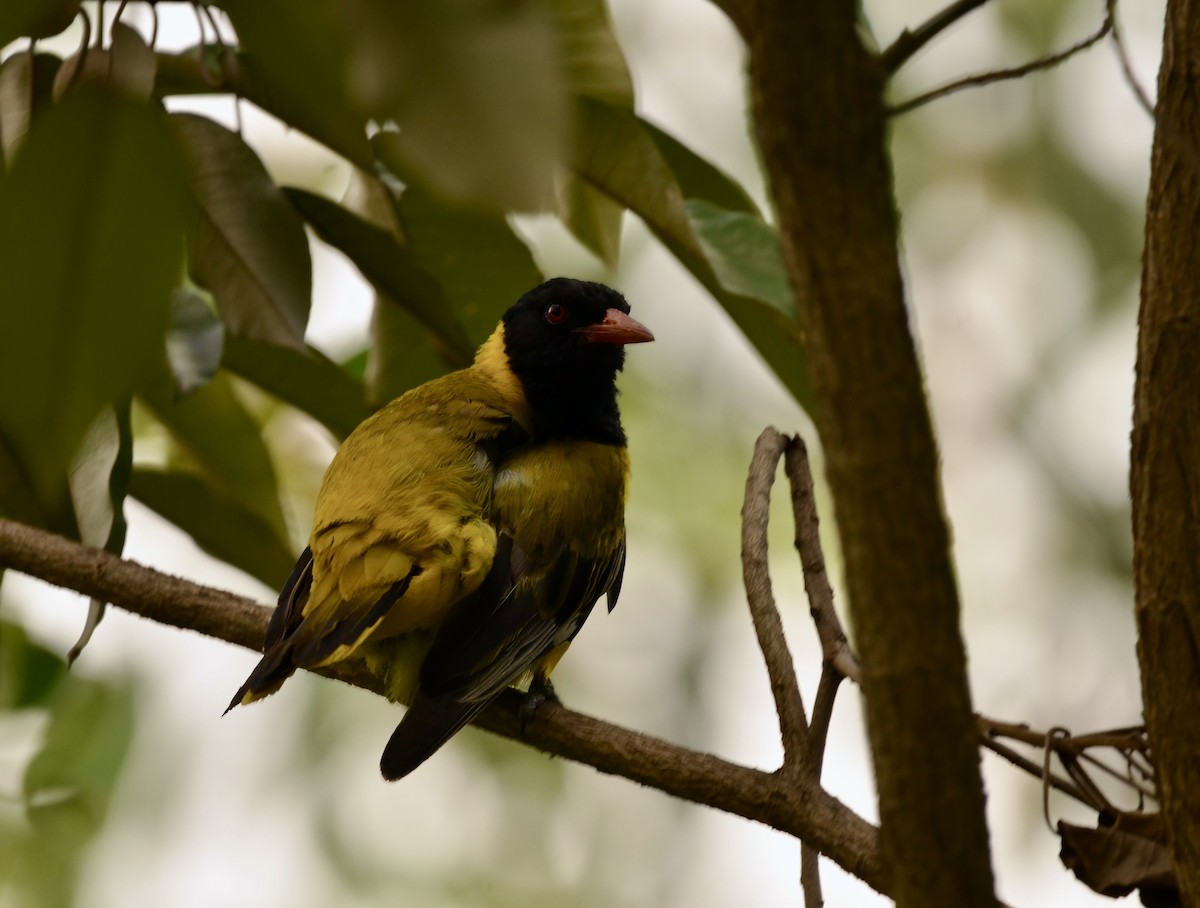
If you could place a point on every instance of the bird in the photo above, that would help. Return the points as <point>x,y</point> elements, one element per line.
<point>463,533</point>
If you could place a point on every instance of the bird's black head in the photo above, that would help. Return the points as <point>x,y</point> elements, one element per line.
<point>565,342</point>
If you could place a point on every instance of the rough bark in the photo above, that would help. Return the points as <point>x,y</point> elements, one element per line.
<point>819,118</point>
<point>1165,466</point>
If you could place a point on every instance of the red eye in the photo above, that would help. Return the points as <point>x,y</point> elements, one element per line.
<point>556,313</point>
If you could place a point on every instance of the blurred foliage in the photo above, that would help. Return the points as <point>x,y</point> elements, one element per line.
<point>77,732</point>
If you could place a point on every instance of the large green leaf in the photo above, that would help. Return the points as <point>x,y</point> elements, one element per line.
<point>218,433</point>
<point>392,269</point>
<point>248,244</point>
<point>218,522</point>
<point>477,89</point>
<point>90,244</point>
<point>595,68</point>
<point>730,250</point>
<point>308,381</point>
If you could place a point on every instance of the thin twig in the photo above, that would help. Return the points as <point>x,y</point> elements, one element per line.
<point>909,42</point>
<point>1024,763</point>
<point>768,627</point>
<point>1000,75</point>
<point>1126,66</point>
<point>835,648</point>
<point>838,660</point>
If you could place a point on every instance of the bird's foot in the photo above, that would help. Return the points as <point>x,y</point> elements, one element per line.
<point>540,691</point>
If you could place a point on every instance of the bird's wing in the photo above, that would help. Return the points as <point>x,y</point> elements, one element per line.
<point>519,614</point>
<point>399,533</point>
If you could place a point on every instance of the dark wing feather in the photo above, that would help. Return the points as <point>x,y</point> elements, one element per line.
<point>491,638</point>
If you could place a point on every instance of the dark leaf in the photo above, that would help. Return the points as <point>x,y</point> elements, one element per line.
<point>248,244</point>
<point>195,338</point>
<point>294,65</point>
<point>392,269</point>
<point>1114,860</point>
<point>96,190</point>
<point>35,18</point>
<point>308,381</point>
<point>219,435</point>
<point>480,263</point>
<point>333,125</point>
<point>25,90</point>
<point>218,523</point>
<point>595,68</point>
<point>699,179</point>
<point>402,354</point>
<point>496,66</point>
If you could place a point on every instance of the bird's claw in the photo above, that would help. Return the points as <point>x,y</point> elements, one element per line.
<point>540,691</point>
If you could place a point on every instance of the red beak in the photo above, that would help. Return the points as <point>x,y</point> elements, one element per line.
<point>617,328</point>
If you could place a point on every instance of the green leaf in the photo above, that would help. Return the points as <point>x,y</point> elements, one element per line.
<point>25,91</point>
<point>96,190</point>
<point>215,430</point>
<point>195,338</point>
<point>28,672</point>
<point>392,269</point>
<point>744,254</point>
<point>593,62</point>
<point>248,244</point>
<point>218,523</point>
<point>478,90</point>
<point>308,381</point>
<point>731,252</point>
<point>98,481</point>
<point>595,68</point>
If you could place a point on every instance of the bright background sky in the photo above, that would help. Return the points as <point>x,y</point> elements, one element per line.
<point>1028,339</point>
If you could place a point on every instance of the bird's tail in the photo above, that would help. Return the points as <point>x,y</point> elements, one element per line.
<point>429,723</point>
<point>268,676</point>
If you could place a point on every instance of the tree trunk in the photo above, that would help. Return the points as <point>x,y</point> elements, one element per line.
<point>1165,467</point>
<point>818,112</point>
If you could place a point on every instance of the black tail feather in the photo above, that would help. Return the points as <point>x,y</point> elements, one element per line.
<point>429,723</point>
<point>268,676</point>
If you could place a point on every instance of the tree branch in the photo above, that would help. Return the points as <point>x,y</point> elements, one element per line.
<point>1165,460</point>
<point>805,811</point>
<point>793,727</point>
<point>1001,75</point>
<point>908,43</point>
<point>818,116</point>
